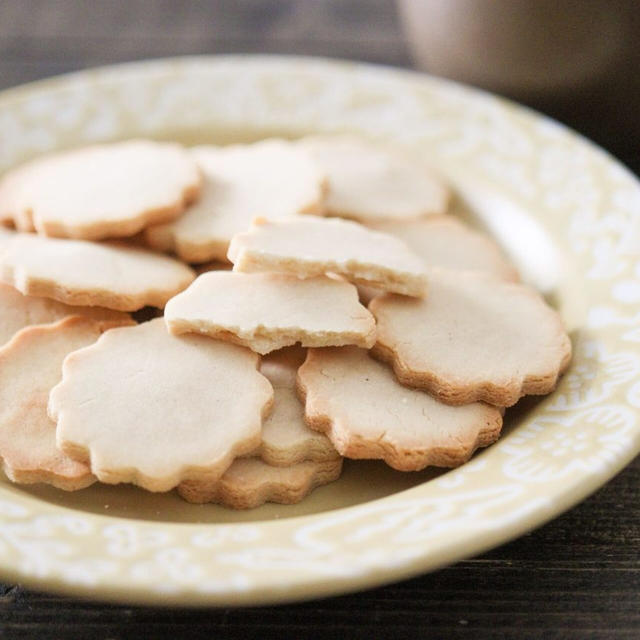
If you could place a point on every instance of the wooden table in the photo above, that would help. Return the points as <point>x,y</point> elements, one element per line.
<point>576,577</point>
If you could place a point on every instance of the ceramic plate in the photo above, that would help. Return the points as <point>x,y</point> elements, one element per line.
<point>567,214</point>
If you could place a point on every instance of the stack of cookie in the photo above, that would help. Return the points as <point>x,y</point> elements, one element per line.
<point>258,380</point>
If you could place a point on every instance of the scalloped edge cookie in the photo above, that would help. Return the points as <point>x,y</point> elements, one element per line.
<point>437,344</point>
<point>368,181</point>
<point>407,428</point>
<point>33,360</point>
<point>146,407</point>
<point>76,272</point>
<point>250,482</point>
<point>445,242</point>
<point>272,178</point>
<point>66,194</point>
<point>18,311</point>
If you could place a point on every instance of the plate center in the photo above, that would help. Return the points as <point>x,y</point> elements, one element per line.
<point>362,480</point>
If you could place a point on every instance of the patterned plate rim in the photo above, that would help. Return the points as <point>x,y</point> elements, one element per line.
<point>570,445</point>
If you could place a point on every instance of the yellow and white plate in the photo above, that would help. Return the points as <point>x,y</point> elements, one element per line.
<point>563,209</point>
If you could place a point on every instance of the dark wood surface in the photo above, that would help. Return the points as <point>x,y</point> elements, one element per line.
<point>576,577</point>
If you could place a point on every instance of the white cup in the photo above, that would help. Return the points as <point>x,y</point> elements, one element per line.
<point>577,59</point>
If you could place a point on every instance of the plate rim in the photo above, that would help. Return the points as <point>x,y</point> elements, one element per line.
<point>113,591</point>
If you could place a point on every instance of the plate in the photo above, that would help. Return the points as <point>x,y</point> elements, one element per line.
<point>568,215</point>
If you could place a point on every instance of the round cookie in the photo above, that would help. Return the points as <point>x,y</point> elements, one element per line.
<point>18,311</point>
<point>368,182</point>
<point>212,265</point>
<point>368,414</point>
<point>267,311</point>
<point>271,178</point>
<point>75,272</point>
<point>30,366</point>
<point>147,407</point>
<point>250,482</point>
<point>473,338</point>
<point>100,191</point>
<point>281,367</point>
<point>445,242</point>
<point>310,246</point>
<point>286,438</point>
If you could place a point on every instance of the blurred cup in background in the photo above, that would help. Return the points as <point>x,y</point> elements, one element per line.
<point>578,60</point>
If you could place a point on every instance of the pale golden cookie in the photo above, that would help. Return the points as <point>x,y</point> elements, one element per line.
<point>100,191</point>
<point>473,338</point>
<point>267,311</point>
<point>213,265</point>
<point>6,235</point>
<point>366,293</point>
<point>272,179</point>
<point>76,272</point>
<point>147,407</point>
<point>368,181</point>
<point>281,367</point>
<point>286,438</point>
<point>30,366</point>
<point>250,482</point>
<point>18,311</point>
<point>310,246</point>
<point>366,413</point>
<point>446,242</point>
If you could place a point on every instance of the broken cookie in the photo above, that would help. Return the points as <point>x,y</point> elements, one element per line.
<point>267,311</point>
<point>310,246</point>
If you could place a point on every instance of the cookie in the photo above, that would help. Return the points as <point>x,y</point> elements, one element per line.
<point>267,311</point>
<point>30,366</point>
<point>146,407</point>
<point>6,235</point>
<point>366,293</point>
<point>272,179</point>
<point>286,438</point>
<point>281,367</point>
<point>367,414</point>
<point>368,181</point>
<point>18,311</point>
<point>250,482</point>
<point>446,242</point>
<point>310,246</point>
<point>473,338</point>
<point>75,272</point>
<point>212,265</point>
<point>100,191</point>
